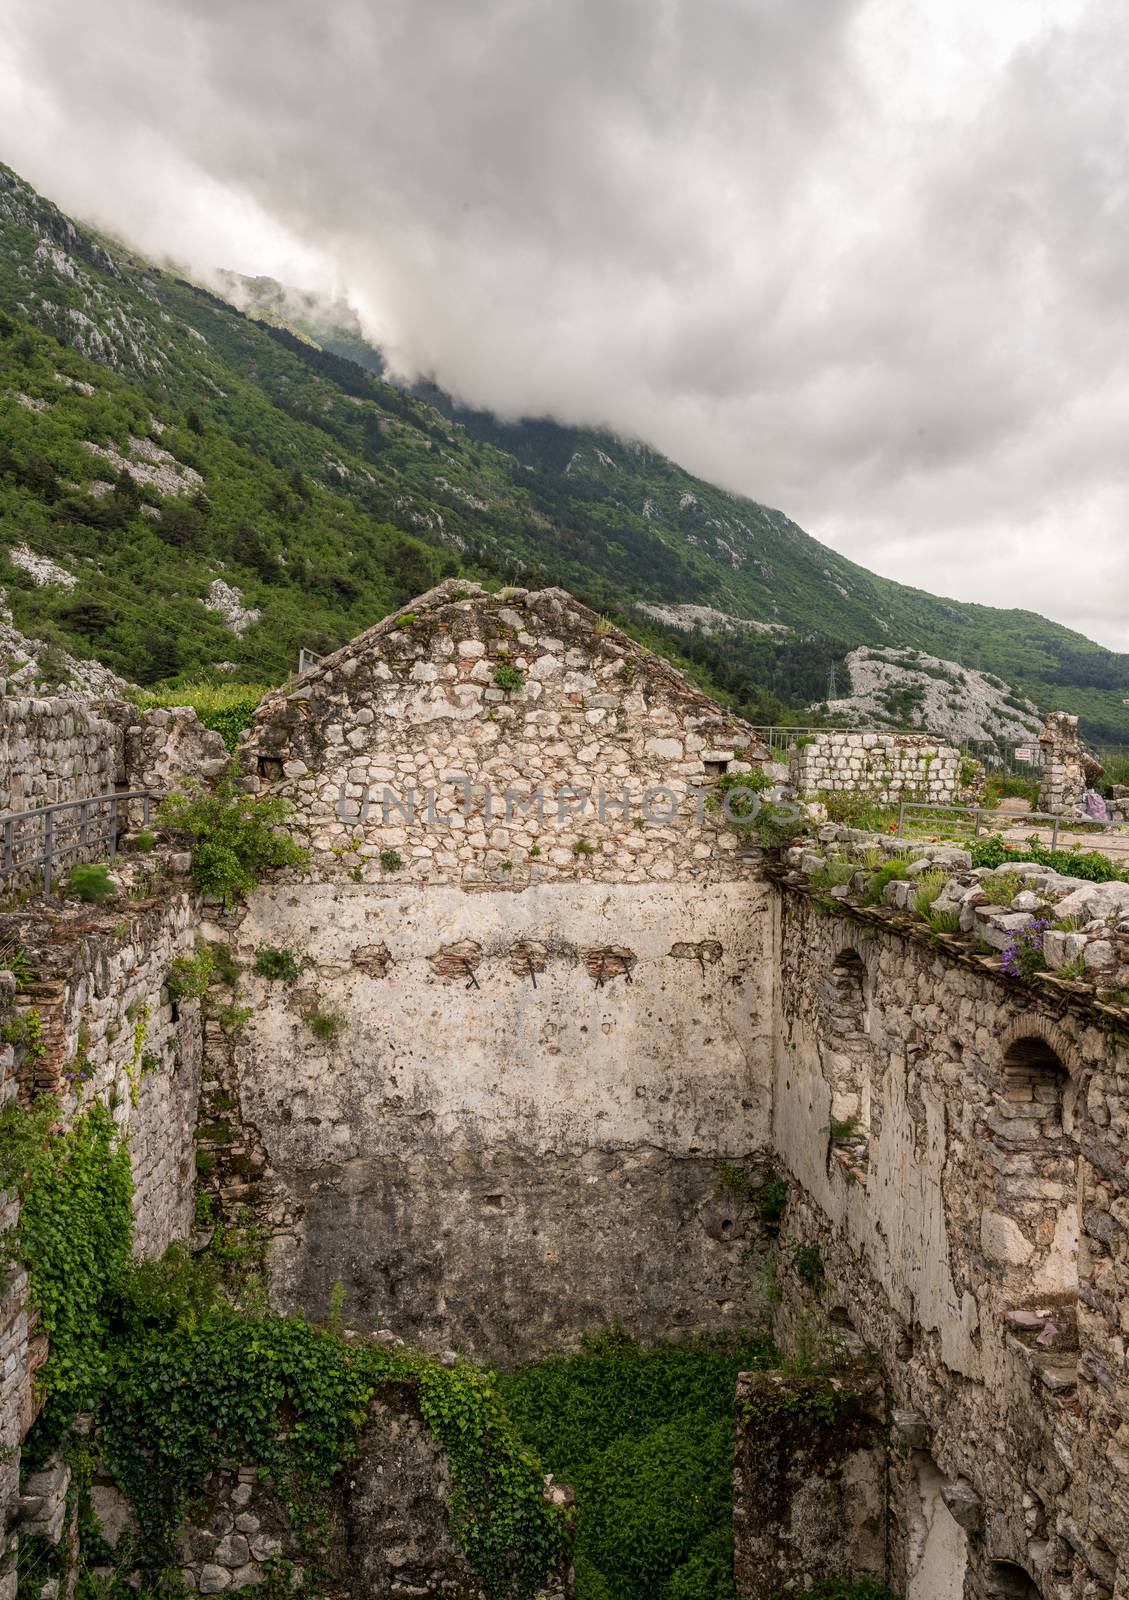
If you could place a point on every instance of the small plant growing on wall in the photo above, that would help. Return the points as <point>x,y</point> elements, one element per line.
<point>281,966</point>
<point>1023,957</point>
<point>844,1130</point>
<point>390,860</point>
<point>326,1024</point>
<point>90,883</point>
<point>808,1263</point>
<point>583,847</point>
<point>508,677</point>
<point>189,976</point>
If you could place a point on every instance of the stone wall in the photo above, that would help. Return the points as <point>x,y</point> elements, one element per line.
<point>1067,769</point>
<point>96,981</point>
<point>65,749</point>
<point>977,1242</point>
<point>471,699</point>
<point>887,766</point>
<point>809,1481</point>
<point>514,1135</point>
<point>57,749</point>
<point>545,1041</point>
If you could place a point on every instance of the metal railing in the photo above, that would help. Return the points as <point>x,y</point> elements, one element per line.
<point>1000,756</point>
<point>784,736</point>
<point>308,659</point>
<point>71,830</point>
<point>1010,818</point>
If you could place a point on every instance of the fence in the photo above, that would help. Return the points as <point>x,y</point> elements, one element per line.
<point>781,739</point>
<point>69,832</point>
<point>308,659</point>
<point>1004,818</point>
<point>1022,760</point>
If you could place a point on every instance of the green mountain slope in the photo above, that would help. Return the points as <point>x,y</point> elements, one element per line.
<point>393,488</point>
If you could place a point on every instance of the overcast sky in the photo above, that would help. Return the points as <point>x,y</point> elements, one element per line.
<point>865,260</point>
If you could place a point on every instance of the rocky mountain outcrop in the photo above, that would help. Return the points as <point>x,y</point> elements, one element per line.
<point>910,689</point>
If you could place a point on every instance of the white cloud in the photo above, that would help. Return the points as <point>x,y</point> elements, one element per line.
<point>861,259</point>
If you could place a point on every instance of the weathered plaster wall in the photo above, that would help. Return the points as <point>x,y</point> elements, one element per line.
<point>965,1211</point>
<point>501,1158</point>
<point>889,766</point>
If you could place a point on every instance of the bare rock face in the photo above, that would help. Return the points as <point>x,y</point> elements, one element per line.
<point>909,688</point>
<point>228,603</point>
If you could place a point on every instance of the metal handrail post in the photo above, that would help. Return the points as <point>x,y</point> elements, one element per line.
<point>48,846</point>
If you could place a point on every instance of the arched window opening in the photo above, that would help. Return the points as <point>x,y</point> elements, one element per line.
<point>1035,1077</point>
<point>1033,1231</point>
<point>846,1061</point>
<point>1007,1581</point>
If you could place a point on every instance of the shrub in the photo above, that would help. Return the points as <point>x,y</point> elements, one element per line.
<point>145,840</point>
<point>645,1437</point>
<point>808,1262</point>
<point>276,964</point>
<point>227,708</point>
<point>835,873</point>
<point>90,883</point>
<point>509,677</point>
<point>756,781</point>
<point>189,976</point>
<point>235,836</point>
<point>227,968</point>
<point>853,810</point>
<point>390,860</point>
<point>1002,887</point>
<point>1089,864</point>
<point>896,867</point>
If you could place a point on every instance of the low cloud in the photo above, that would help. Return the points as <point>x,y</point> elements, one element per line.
<point>861,259</point>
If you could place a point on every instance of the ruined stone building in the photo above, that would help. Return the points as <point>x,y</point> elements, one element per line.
<point>546,988</point>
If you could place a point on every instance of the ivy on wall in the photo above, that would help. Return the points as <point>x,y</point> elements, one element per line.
<point>645,1437</point>
<point>74,1234</point>
<point>179,1379</point>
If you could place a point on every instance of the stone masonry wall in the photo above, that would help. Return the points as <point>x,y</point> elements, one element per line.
<point>887,766</point>
<point>980,1245</point>
<point>414,705</point>
<point>63,749</point>
<point>57,749</point>
<point>97,979</point>
<point>547,1038</point>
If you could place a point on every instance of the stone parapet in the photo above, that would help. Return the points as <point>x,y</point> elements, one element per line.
<point>885,766</point>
